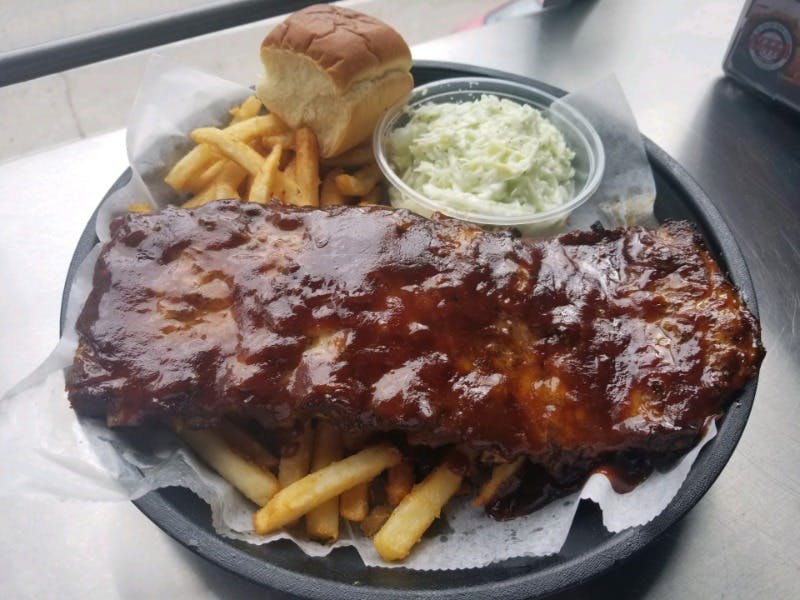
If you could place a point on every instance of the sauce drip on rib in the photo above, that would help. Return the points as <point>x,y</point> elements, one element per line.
<point>565,350</point>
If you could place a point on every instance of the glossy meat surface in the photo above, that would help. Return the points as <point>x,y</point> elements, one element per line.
<point>561,349</point>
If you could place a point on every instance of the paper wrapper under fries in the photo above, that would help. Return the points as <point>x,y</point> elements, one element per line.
<point>48,449</point>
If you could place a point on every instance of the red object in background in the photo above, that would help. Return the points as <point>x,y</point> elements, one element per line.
<point>764,53</point>
<point>511,10</point>
<point>474,24</point>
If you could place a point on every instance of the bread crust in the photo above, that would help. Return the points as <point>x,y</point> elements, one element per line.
<point>349,46</point>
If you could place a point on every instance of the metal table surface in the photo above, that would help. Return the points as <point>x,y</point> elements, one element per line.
<point>737,542</point>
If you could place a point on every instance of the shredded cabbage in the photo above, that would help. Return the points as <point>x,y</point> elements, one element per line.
<point>488,156</point>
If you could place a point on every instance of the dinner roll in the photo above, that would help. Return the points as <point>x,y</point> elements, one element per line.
<point>336,71</point>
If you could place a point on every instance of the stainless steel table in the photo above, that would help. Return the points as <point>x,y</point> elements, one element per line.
<point>739,540</point>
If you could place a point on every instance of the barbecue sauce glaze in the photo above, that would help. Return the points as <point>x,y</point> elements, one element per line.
<point>569,350</point>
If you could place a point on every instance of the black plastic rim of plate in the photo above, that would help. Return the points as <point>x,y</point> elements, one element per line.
<point>589,549</point>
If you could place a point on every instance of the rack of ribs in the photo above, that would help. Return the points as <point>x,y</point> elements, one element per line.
<point>379,320</point>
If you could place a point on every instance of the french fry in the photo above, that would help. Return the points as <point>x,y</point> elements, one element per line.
<point>372,197</point>
<point>322,522</point>
<point>186,169</point>
<point>375,520</point>
<point>231,175</point>
<point>246,446</point>
<point>247,109</point>
<point>329,194</point>
<point>209,194</point>
<point>399,482</point>
<point>224,187</point>
<point>501,474</point>
<point>230,147</point>
<point>256,127</point>
<point>280,185</point>
<point>259,147</point>
<point>354,503</point>
<point>307,166</point>
<point>287,158</point>
<point>140,207</point>
<point>207,177</point>
<point>254,483</point>
<point>264,183</point>
<point>316,488</point>
<point>296,464</point>
<point>360,182</point>
<point>225,191</point>
<point>292,194</point>
<point>355,157</point>
<point>293,467</point>
<point>181,177</point>
<point>412,517</point>
<point>284,139</point>
<point>218,190</point>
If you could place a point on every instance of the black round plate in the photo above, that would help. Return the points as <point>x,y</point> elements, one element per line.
<point>589,549</point>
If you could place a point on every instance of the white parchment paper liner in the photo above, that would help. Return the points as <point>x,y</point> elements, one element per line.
<point>47,449</point>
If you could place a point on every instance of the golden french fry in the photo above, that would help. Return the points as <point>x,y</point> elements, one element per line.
<point>224,191</point>
<point>256,127</point>
<point>360,182</point>
<point>316,488</point>
<point>501,474</point>
<point>280,186</point>
<point>189,167</point>
<point>399,482</point>
<point>354,503</point>
<point>329,194</point>
<point>412,517</point>
<point>372,197</point>
<point>231,175</point>
<point>355,157</point>
<point>254,483</point>
<point>287,158</point>
<point>322,522</point>
<point>224,187</point>
<point>249,108</point>
<point>201,157</point>
<point>230,147</point>
<point>295,466</point>
<point>204,196</point>
<point>256,145</point>
<point>375,520</point>
<point>140,207</point>
<point>218,190</point>
<point>244,187</point>
<point>307,166</point>
<point>207,177</point>
<point>246,446</point>
<point>264,183</point>
<point>284,139</point>
<point>292,194</point>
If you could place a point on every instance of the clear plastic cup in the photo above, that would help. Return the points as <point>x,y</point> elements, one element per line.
<point>580,136</point>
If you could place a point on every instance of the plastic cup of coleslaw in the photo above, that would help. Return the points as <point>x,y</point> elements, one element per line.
<point>456,147</point>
